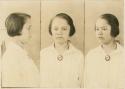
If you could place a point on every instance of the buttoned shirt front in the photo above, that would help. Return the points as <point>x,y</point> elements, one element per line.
<point>67,72</point>
<point>103,73</point>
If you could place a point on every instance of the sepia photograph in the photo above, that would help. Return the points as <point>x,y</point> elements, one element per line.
<point>104,42</point>
<point>20,46</point>
<point>62,44</point>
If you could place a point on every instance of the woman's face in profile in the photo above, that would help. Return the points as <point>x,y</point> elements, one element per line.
<point>103,30</point>
<point>25,34</point>
<point>60,30</point>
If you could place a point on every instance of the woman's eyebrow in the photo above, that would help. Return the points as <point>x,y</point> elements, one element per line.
<point>101,27</point>
<point>64,26</point>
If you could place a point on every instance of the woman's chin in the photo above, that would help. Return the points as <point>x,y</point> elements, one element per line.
<point>101,42</point>
<point>60,42</point>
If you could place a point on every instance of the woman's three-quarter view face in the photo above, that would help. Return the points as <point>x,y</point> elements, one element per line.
<point>25,34</point>
<point>103,31</point>
<point>60,30</point>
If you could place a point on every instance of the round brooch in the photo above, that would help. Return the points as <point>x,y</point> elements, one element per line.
<point>107,58</point>
<point>60,57</point>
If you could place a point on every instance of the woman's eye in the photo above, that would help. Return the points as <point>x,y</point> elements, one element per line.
<point>96,29</point>
<point>104,29</point>
<point>64,29</point>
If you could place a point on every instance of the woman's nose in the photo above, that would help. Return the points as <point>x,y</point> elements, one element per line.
<point>100,32</point>
<point>60,31</point>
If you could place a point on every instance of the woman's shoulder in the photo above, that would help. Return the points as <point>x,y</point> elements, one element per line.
<point>95,50</point>
<point>14,49</point>
<point>47,49</point>
<point>75,50</point>
<point>120,47</point>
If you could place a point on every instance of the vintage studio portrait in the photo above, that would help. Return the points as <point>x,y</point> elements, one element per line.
<point>61,60</point>
<point>104,61</point>
<point>62,44</point>
<point>20,45</point>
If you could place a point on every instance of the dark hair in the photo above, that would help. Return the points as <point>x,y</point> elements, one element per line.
<point>69,21</point>
<point>15,22</point>
<point>113,22</point>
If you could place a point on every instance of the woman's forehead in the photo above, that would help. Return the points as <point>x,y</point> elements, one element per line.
<point>101,22</point>
<point>59,20</point>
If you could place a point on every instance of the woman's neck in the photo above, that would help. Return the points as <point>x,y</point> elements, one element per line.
<point>61,47</point>
<point>109,47</point>
<point>17,41</point>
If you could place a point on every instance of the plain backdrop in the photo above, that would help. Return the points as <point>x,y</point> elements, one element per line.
<point>74,8</point>
<point>83,12</point>
<point>31,7</point>
<point>95,8</point>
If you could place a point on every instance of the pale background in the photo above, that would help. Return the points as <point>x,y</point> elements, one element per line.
<point>74,8</point>
<point>93,9</point>
<point>31,7</point>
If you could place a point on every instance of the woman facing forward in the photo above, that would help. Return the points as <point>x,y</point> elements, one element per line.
<point>61,63</point>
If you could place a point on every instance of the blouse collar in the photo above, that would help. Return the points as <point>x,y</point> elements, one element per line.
<point>118,48</point>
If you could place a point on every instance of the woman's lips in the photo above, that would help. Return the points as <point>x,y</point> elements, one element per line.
<point>101,38</point>
<point>59,37</point>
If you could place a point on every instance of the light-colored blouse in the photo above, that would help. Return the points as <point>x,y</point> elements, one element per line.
<point>100,73</point>
<point>67,73</point>
<point>18,70</point>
